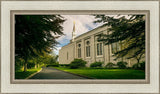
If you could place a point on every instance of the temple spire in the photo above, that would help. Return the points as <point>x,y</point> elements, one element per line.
<point>73,32</point>
<point>73,26</point>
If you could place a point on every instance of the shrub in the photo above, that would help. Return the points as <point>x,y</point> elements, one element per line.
<point>18,65</point>
<point>77,63</point>
<point>122,65</point>
<point>53,65</point>
<point>141,66</point>
<point>64,65</point>
<point>135,66</point>
<point>110,65</point>
<point>96,64</point>
<point>30,65</point>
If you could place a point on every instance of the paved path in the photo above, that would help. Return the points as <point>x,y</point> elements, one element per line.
<point>51,73</point>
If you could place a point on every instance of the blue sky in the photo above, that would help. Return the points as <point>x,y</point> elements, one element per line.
<point>83,23</point>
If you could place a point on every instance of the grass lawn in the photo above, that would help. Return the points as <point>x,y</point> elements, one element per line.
<point>23,75</point>
<point>107,73</point>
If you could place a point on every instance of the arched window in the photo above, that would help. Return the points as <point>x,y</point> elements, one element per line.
<point>87,49</point>
<point>79,50</point>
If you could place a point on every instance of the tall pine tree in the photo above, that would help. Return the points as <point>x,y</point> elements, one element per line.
<point>36,34</point>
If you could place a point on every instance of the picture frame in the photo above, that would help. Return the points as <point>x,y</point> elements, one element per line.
<point>10,85</point>
<point>78,81</point>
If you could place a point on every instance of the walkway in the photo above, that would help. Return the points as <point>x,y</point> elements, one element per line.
<point>51,73</point>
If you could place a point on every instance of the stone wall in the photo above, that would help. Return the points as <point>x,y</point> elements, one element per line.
<point>66,54</point>
<point>81,42</point>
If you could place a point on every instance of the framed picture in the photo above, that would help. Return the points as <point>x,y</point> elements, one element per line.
<point>80,47</point>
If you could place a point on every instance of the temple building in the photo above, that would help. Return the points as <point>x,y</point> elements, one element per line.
<point>87,47</point>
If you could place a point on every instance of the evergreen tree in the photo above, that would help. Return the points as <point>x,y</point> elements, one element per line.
<point>36,34</point>
<point>128,31</point>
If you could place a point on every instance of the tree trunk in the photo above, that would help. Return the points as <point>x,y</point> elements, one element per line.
<point>108,53</point>
<point>35,65</point>
<point>25,65</point>
<point>38,65</point>
<point>109,50</point>
<point>138,62</point>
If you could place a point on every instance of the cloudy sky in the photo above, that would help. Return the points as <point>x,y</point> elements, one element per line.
<point>83,23</point>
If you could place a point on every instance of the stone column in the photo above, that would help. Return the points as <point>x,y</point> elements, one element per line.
<point>82,49</point>
<point>109,53</point>
<point>92,49</point>
<point>75,50</point>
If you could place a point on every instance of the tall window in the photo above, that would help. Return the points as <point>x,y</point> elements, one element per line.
<point>79,50</point>
<point>99,48</point>
<point>87,49</point>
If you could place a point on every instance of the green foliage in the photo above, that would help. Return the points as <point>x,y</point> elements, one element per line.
<point>128,31</point>
<point>53,65</point>
<point>30,65</point>
<point>77,63</point>
<point>122,65</point>
<point>35,35</point>
<point>36,62</point>
<point>110,65</point>
<point>64,65</point>
<point>136,66</point>
<point>96,65</point>
<point>140,66</point>
<point>49,59</point>
<point>19,64</point>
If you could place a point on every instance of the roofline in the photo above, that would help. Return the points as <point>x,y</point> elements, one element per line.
<point>90,31</point>
<point>83,34</point>
<point>66,45</point>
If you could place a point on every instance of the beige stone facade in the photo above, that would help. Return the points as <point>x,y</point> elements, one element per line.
<point>89,49</point>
